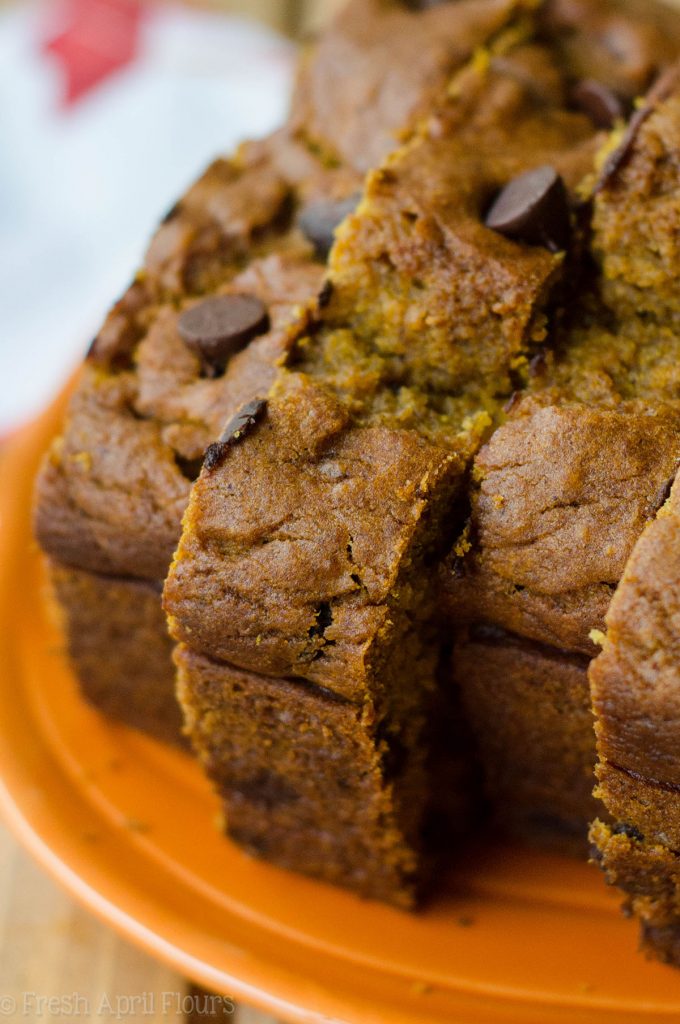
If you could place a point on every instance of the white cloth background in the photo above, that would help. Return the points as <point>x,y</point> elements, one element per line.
<point>82,188</point>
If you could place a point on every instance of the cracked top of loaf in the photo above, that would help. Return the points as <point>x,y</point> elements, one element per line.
<point>590,446</point>
<point>114,506</point>
<point>336,504</point>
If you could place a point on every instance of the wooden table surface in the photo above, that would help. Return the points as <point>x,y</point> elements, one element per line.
<point>52,949</point>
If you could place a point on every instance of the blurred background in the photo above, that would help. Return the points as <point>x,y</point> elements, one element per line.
<point>108,109</point>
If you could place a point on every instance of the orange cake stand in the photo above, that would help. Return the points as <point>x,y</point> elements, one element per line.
<point>127,826</point>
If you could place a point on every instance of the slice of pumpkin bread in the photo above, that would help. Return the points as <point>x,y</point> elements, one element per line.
<point>311,539</point>
<point>633,681</point>
<point>649,874</point>
<point>557,479</point>
<point>119,647</point>
<point>539,764</point>
<point>565,487</point>
<point>636,686</point>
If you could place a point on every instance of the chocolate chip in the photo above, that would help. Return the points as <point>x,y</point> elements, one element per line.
<point>533,208</point>
<point>664,85</point>
<point>236,429</point>
<point>220,326</point>
<point>602,105</point>
<point>617,159</point>
<point>318,220</point>
<point>659,92</point>
<point>621,829</point>
<point>214,456</point>
<point>243,421</point>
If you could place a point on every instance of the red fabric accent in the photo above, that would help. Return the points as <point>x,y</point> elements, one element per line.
<point>98,38</point>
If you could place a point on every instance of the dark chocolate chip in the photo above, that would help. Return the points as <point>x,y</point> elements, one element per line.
<point>602,105</point>
<point>214,455</point>
<point>621,829</point>
<point>243,421</point>
<point>318,221</point>
<point>236,429</point>
<point>618,158</point>
<point>533,208</point>
<point>324,296</point>
<point>659,92</point>
<point>220,326</point>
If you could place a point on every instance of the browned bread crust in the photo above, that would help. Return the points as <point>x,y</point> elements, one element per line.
<point>529,709</point>
<point>636,678</point>
<point>562,494</point>
<point>564,501</point>
<point>120,648</point>
<point>382,66</point>
<point>649,875</point>
<point>327,798</point>
<point>113,488</point>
